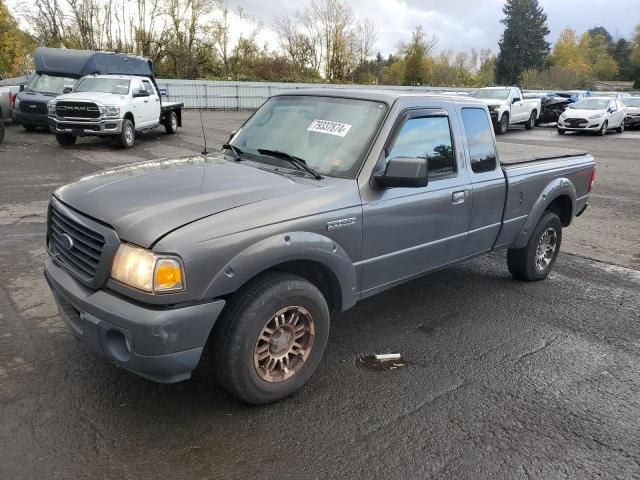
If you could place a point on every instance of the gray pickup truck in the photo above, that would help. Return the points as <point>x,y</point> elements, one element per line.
<point>322,199</point>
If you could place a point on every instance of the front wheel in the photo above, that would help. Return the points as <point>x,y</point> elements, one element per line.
<point>270,338</point>
<point>171,123</point>
<point>603,130</point>
<point>127,136</point>
<point>65,139</point>
<point>531,122</point>
<point>29,128</point>
<point>534,261</point>
<point>503,125</point>
<point>561,131</point>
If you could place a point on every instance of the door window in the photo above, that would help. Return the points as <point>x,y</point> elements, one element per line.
<point>430,138</point>
<point>148,87</point>
<point>135,86</point>
<point>482,151</point>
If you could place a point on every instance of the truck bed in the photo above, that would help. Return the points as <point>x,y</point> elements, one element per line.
<point>517,153</point>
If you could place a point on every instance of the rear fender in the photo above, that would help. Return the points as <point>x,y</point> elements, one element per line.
<point>556,188</point>
<point>282,248</point>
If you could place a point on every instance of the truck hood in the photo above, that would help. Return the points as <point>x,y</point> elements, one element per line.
<point>100,97</point>
<point>144,201</point>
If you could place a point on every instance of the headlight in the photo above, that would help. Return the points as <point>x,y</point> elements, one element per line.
<point>16,103</point>
<point>51,107</point>
<point>113,110</point>
<point>597,115</point>
<point>143,269</point>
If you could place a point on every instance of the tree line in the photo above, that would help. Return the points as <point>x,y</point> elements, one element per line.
<point>323,41</point>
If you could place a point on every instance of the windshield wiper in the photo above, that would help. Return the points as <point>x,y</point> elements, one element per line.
<point>297,161</point>
<point>236,151</point>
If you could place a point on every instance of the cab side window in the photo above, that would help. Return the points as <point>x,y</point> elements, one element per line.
<point>135,86</point>
<point>148,87</point>
<point>482,150</point>
<point>430,138</point>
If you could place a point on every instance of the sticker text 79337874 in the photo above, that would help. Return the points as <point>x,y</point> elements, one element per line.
<point>331,128</point>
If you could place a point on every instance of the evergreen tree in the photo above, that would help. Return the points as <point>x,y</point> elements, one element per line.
<point>522,45</point>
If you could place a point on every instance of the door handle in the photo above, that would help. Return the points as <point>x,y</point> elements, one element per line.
<point>457,197</point>
<point>146,101</point>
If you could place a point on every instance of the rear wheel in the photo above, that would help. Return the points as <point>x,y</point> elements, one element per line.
<point>127,136</point>
<point>171,123</point>
<point>620,129</point>
<point>29,128</point>
<point>65,139</point>
<point>534,261</point>
<point>531,122</point>
<point>270,338</point>
<point>503,125</point>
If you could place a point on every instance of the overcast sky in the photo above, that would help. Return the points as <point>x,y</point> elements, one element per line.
<point>463,24</point>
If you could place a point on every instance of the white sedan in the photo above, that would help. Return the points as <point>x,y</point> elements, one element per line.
<point>593,114</point>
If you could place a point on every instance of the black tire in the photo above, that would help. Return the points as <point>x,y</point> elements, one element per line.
<point>603,130</point>
<point>127,137</point>
<point>561,131</point>
<point>171,123</point>
<point>1,131</point>
<point>235,337</point>
<point>620,129</point>
<point>532,121</point>
<point>65,139</point>
<point>522,262</point>
<point>29,128</point>
<point>503,124</point>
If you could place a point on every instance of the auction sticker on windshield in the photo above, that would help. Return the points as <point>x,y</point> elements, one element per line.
<point>331,128</point>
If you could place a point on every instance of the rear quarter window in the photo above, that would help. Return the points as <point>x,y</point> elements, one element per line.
<point>482,150</point>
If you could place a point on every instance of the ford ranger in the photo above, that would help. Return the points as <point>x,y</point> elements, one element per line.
<point>507,106</point>
<point>322,199</point>
<point>115,106</point>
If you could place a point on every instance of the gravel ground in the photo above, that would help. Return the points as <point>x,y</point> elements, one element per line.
<point>501,379</point>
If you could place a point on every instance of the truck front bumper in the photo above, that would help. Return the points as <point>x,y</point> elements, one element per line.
<point>160,344</point>
<point>106,127</point>
<point>36,119</point>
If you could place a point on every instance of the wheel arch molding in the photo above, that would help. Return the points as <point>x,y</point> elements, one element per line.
<point>315,257</point>
<point>559,191</point>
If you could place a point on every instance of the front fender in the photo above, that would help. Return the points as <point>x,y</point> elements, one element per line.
<point>555,188</point>
<point>287,247</point>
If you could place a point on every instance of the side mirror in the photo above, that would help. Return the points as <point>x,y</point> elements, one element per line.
<point>140,93</point>
<point>408,172</point>
<point>67,90</point>
<point>22,87</point>
<point>514,100</point>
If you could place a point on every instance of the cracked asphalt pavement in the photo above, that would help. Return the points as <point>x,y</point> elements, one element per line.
<point>502,379</point>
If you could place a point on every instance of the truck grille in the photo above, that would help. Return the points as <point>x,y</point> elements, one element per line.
<point>77,110</point>
<point>79,248</point>
<point>27,106</point>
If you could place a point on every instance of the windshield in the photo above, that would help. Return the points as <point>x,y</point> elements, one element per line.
<point>117,86</point>
<point>632,102</point>
<point>492,93</point>
<point>591,104</point>
<point>49,84</point>
<point>330,134</point>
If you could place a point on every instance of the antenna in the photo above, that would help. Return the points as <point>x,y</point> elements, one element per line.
<point>204,152</point>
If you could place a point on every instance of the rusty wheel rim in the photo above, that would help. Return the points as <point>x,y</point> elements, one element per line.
<point>284,344</point>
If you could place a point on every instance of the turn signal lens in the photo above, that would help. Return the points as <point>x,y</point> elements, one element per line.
<point>168,275</point>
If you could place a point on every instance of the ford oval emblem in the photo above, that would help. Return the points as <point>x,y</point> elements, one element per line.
<point>66,241</point>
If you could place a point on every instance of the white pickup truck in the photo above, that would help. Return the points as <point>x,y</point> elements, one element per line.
<point>115,106</point>
<point>507,106</point>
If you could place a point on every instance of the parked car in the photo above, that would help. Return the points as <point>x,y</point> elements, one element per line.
<point>508,107</point>
<point>114,106</point>
<point>554,104</point>
<point>30,105</point>
<point>632,118</point>
<point>7,99</point>
<point>594,114</point>
<point>248,250</point>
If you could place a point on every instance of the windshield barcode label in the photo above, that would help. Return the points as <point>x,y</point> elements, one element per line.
<point>331,128</point>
